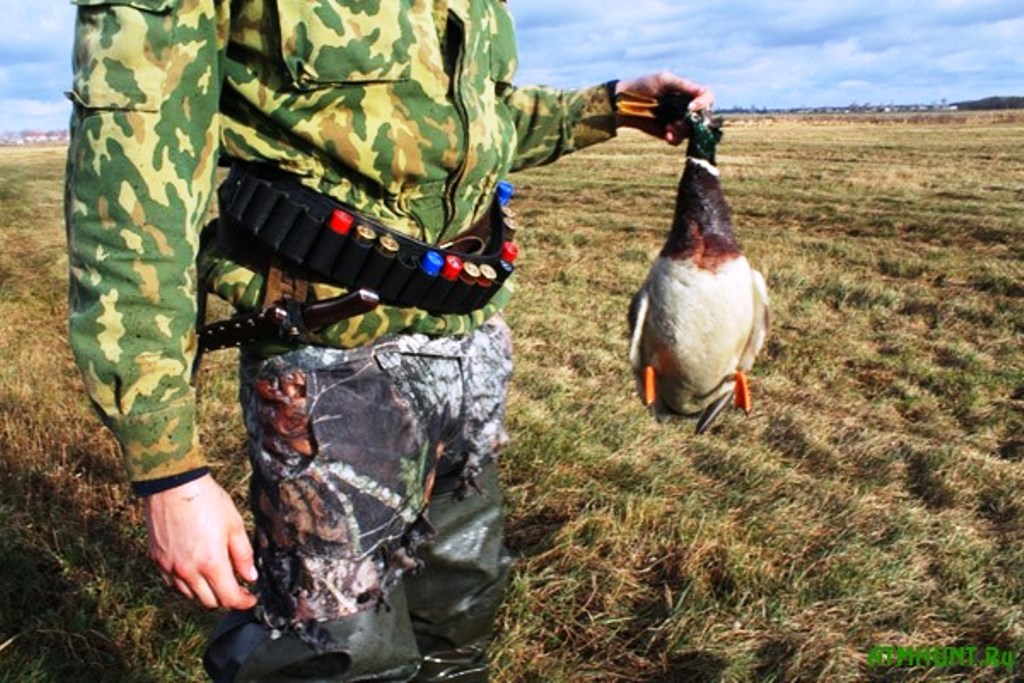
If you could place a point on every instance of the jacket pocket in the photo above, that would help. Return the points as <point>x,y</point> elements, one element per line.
<point>121,53</point>
<point>326,43</point>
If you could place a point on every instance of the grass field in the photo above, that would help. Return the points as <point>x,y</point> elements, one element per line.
<point>874,497</point>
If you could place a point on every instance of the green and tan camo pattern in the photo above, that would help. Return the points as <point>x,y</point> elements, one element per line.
<point>357,97</point>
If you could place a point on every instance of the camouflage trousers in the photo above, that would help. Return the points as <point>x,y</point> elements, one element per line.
<point>377,512</point>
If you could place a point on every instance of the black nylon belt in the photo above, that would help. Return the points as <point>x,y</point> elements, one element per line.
<point>336,244</point>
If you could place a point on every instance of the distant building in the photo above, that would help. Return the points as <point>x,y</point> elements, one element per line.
<point>33,137</point>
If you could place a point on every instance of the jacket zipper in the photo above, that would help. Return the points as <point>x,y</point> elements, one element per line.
<point>455,181</point>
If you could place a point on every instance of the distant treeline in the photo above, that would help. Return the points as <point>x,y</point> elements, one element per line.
<point>993,103</point>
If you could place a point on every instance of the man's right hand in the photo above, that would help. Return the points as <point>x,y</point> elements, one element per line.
<point>197,538</point>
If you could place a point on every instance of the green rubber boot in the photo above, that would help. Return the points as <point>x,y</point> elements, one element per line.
<point>435,626</point>
<point>455,598</point>
<point>375,645</point>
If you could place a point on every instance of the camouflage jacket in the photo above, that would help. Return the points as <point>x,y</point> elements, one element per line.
<point>405,110</point>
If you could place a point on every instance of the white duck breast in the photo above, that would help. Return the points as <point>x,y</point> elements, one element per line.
<point>701,316</point>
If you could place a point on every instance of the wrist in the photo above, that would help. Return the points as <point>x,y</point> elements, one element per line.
<point>613,97</point>
<point>150,487</point>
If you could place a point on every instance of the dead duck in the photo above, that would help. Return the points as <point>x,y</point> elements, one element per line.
<point>701,316</point>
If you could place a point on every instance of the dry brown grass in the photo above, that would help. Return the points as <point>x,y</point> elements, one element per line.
<point>874,497</point>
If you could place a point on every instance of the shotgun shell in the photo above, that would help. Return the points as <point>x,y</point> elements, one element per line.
<point>510,227</point>
<point>509,252</point>
<point>422,280</point>
<point>341,222</point>
<point>379,262</point>
<point>504,192</point>
<point>403,268</point>
<point>487,275</point>
<point>346,268</point>
<point>450,272</point>
<point>365,235</point>
<point>504,270</point>
<point>470,273</point>
<point>431,263</point>
<point>387,246</point>
<point>459,296</point>
<point>485,288</point>
<point>452,267</point>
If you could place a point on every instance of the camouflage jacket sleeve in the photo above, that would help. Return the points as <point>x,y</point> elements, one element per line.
<point>139,179</point>
<point>549,123</point>
<point>552,123</point>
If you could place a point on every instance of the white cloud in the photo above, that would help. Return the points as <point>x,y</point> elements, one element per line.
<point>21,115</point>
<point>788,53</point>
<point>779,54</point>
<point>36,30</point>
<point>35,64</point>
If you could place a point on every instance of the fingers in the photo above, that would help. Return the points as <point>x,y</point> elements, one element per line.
<point>205,594</point>
<point>212,586</point>
<point>240,550</point>
<point>177,584</point>
<point>666,82</point>
<point>201,592</point>
<point>675,134</point>
<point>182,587</point>
<point>224,590</point>
<point>193,589</point>
<point>704,98</point>
<point>215,583</point>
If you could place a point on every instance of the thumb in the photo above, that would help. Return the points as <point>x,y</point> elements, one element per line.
<point>240,550</point>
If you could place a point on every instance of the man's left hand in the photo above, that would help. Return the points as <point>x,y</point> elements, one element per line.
<point>659,85</point>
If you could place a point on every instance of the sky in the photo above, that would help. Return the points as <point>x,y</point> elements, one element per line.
<point>779,54</point>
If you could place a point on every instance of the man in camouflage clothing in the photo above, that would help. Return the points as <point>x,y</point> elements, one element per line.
<point>373,440</point>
